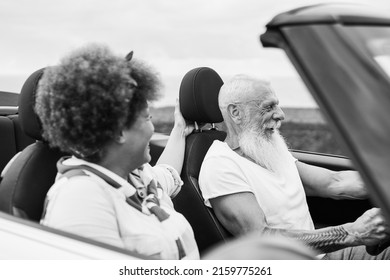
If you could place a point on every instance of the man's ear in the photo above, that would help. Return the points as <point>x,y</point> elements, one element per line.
<point>234,113</point>
<point>120,138</point>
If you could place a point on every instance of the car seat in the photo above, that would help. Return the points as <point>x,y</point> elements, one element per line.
<point>198,98</point>
<point>32,172</point>
<point>12,139</point>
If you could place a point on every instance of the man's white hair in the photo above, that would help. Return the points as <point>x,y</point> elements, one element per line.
<point>241,88</point>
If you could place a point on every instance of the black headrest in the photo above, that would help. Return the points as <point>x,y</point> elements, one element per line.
<point>29,121</point>
<point>198,95</point>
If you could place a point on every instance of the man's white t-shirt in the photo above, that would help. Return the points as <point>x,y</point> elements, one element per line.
<point>89,206</point>
<point>282,198</point>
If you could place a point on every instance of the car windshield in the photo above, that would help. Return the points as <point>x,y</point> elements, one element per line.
<point>374,40</point>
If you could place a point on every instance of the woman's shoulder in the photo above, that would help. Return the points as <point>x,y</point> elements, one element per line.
<point>81,185</point>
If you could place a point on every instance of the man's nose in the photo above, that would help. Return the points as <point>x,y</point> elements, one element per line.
<point>279,114</point>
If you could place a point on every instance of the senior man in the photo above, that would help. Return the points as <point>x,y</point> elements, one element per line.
<point>253,183</point>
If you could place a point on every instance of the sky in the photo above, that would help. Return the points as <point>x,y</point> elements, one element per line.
<point>173,36</point>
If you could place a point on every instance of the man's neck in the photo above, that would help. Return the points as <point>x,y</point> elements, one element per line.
<point>232,142</point>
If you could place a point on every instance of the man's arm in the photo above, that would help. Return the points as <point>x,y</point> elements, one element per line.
<point>323,182</point>
<point>240,213</point>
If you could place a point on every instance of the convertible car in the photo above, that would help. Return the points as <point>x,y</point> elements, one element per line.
<point>342,53</point>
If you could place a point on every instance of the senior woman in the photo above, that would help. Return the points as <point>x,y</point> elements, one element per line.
<point>94,106</point>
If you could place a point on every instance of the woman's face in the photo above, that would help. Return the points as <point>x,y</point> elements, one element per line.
<point>138,137</point>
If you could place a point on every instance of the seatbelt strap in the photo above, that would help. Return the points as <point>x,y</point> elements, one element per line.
<point>69,171</point>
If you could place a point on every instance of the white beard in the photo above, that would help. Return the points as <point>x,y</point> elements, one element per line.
<point>270,152</point>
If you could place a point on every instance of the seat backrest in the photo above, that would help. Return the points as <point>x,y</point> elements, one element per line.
<point>198,97</point>
<point>7,141</point>
<point>12,139</point>
<point>30,175</point>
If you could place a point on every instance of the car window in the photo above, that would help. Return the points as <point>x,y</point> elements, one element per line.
<point>374,40</point>
<point>304,128</point>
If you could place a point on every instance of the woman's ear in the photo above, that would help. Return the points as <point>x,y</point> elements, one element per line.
<point>120,138</point>
<point>234,113</point>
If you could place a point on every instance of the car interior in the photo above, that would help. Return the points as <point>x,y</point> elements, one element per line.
<point>30,174</point>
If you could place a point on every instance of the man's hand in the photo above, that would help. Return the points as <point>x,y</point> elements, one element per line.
<point>370,229</point>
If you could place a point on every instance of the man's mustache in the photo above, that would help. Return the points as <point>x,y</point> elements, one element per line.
<point>274,125</point>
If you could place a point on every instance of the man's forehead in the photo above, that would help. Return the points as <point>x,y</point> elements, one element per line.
<point>269,96</point>
<point>262,95</point>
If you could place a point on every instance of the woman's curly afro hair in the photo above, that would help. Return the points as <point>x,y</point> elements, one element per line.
<point>86,100</point>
